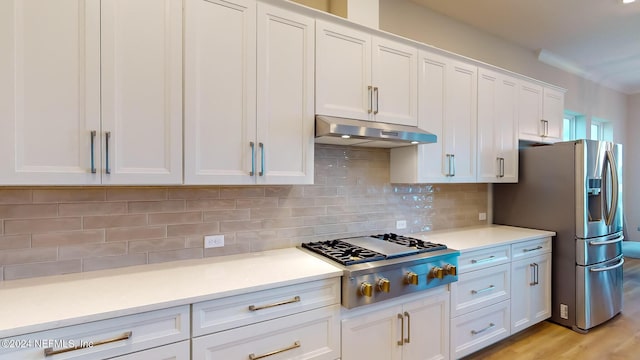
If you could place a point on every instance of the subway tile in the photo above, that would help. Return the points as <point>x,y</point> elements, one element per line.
<point>15,242</point>
<point>136,193</point>
<point>232,249</point>
<point>295,232</point>
<point>111,262</point>
<point>92,208</point>
<point>113,221</point>
<point>68,195</point>
<point>221,215</point>
<point>316,191</point>
<point>92,250</point>
<point>28,211</point>
<point>239,192</point>
<point>68,238</point>
<point>279,213</point>
<point>242,225</point>
<point>271,202</point>
<point>1,273</point>
<point>284,191</point>
<point>296,202</point>
<point>193,217</point>
<point>211,204</point>
<point>282,223</point>
<point>21,271</point>
<point>194,193</point>
<point>309,211</point>
<point>193,229</point>
<point>23,256</point>
<point>45,225</point>
<point>136,233</point>
<point>149,245</point>
<point>174,255</point>
<point>15,196</point>
<point>162,206</point>
<point>331,229</point>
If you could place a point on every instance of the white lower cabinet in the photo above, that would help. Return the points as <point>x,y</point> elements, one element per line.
<point>106,338</point>
<point>478,329</point>
<point>313,334</point>
<point>414,328</point>
<point>177,351</point>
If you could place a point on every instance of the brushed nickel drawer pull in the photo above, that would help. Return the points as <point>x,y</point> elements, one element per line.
<point>476,332</point>
<point>294,346</point>
<point>88,344</point>
<point>534,249</point>
<point>107,137</point>
<point>491,287</point>
<point>474,261</point>
<point>256,308</point>
<point>93,163</point>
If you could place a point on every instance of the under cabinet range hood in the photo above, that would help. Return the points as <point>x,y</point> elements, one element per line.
<point>342,131</point>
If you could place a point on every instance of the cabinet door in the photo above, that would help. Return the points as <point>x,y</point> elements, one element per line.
<point>285,117</point>
<point>497,127</point>
<point>177,351</point>
<point>394,69</point>
<point>530,112</point>
<point>343,71</point>
<point>374,335</point>
<point>553,113</point>
<point>427,321</point>
<point>141,53</point>
<point>459,135</point>
<point>49,91</point>
<point>220,92</point>
<point>531,291</point>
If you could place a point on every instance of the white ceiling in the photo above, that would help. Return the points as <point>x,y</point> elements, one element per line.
<point>596,39</point>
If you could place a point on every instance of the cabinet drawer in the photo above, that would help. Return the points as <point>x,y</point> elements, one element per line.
<point>476,330</point>
<point>477,289</point>
<point>147,330</point>
<point>480,259</point>
<point>234,311</point>
<point>531,248</point>
<point>177,351</point>
<point>313,334</point>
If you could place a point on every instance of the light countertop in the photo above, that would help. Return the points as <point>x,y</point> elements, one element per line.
<point>475,238</point>
<point>44,303</point>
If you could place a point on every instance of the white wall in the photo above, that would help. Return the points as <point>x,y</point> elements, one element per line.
<point>407,19</point>
<point>632,171</point>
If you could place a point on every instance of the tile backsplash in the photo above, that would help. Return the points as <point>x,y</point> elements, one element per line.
<point>57,230</point>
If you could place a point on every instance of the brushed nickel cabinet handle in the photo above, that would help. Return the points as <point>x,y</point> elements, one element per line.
<point>253,158</point>
<point>107,136</point>
<point>476,332</point>
<point>489,288</point>
<point>294,346</point>
<point>453,158</point>
<point>93,139</point>
<point>501,167</point>
<point>534,249</point>
<point>84,345</point>
<point>375,90</point>
<point>401,341</point>
<point>370,109</point>
<point>261,173</point>
<point>474,261</point>
<point>533,274</point>
<point>260,307</point>
<point>407,340</point>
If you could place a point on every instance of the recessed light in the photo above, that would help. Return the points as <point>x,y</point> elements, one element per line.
<point>346,136</point>
<point>628,1</point>
<point>415,142</point>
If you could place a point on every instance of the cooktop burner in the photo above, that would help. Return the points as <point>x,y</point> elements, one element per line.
<point>347,253</point>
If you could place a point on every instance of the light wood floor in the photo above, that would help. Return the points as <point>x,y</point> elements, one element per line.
<point>619,338</point>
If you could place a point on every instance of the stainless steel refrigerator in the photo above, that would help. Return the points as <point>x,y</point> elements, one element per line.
<point>575,189</point>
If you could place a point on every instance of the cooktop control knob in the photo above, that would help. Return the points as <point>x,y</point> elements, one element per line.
<point>411,278</point>
<point>436,273</point>
<point>450,270</point>
<point>366,289</point>
<point>384,285</point>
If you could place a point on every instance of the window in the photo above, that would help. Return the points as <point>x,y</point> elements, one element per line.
<point>569,127</point>
<point>596,131</point>
<point>600,130</point>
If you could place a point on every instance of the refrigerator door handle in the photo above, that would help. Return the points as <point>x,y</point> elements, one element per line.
<point>607,268</point>
<point>614,187</point>
<point>616,240</point>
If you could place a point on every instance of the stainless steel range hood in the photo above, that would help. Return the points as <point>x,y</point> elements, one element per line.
<point>342,131</point>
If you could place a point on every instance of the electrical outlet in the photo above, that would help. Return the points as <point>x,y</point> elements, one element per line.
<point>482,216</point>
<point>401,224</point>
<point>211,241</point>
<point>564,311</point>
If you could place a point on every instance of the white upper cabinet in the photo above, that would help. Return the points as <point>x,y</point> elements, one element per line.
<point>141,52</point>
<point>242,125</point>
<point>448,108</point>
<point>366,77</point>
<point>540,113</point>
<point>497,127</point>
<point>81,71</point>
